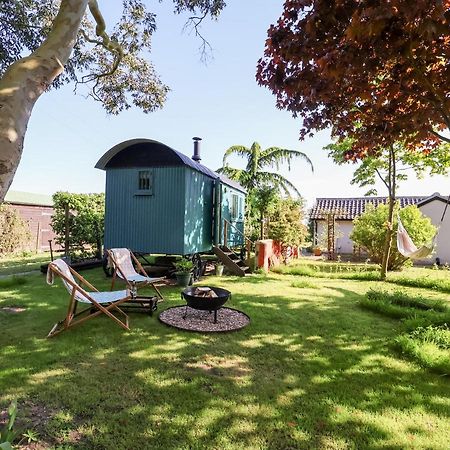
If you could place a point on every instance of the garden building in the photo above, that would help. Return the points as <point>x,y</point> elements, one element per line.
<point>36,210</point>
<point>342,211</point>
<point>158,200</point>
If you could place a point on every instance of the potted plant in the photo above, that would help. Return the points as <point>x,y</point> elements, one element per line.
<point>183,269</point>
<point>219,268</point>
<point>317,251</point>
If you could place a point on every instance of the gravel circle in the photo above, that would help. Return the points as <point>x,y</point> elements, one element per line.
<point>228,319</point>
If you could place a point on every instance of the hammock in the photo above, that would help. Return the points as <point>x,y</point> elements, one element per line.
<point>407,248</point>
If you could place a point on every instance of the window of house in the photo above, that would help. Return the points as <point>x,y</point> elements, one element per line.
<point>145,182</point>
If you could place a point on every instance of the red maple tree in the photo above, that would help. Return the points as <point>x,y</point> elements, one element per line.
<point>375,70</point>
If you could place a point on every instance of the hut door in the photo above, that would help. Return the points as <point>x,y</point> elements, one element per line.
<point>207,215</point>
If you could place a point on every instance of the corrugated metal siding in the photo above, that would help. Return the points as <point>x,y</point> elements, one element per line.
<point>234,237</point>
<point>198,215</point>
<point>151,224</point>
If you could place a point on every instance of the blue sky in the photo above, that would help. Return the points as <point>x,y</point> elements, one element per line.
<point>219,101</point>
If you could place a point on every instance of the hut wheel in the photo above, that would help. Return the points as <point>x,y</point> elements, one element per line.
<point>108,270</point>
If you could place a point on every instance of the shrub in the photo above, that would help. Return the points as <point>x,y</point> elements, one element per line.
<point>422,282</point>
<point>414,311</point>
<point>183,265</point>
<point>402,299</point>
<point>86,216</point>
<point>439,336</point>
<point>286,222</point>
<point>429,346</point>
<point>14,232</point>
<point>340,271</point>
<point>428,338</point>
<point>359,276</point>
<point>369,232</point>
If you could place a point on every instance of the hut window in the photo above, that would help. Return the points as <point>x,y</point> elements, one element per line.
<point>145,181</point>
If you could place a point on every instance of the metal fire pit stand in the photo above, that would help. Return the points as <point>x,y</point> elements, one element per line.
<point>187,306</point>
<point>203,303</point>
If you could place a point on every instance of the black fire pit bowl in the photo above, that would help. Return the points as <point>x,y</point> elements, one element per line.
<point>206,303</point>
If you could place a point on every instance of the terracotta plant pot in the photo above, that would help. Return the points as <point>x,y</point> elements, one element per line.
<point>317,252</point>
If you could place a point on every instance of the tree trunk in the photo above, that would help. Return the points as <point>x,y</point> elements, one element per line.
<point>390,220</point>
<point>26,79</point>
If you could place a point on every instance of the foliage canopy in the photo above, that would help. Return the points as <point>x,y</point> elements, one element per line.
<point>134,82</point>
<point>374,71</point>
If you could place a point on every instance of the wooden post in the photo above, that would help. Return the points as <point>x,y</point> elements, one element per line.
<point>51,249</point>
<point>66,230</point>
<point>331,236</point>
<point>38,237</point>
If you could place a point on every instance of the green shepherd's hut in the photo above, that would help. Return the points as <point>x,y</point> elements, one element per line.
<point>159,200</point>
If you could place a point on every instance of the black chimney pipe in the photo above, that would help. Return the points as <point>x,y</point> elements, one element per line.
<point>196,156</point>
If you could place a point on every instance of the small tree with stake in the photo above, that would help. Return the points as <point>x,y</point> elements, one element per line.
<point>391,166</point>
<point>369,232</point>
<point>376,72</point>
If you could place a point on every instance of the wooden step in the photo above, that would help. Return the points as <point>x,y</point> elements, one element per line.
<point>230,263</point>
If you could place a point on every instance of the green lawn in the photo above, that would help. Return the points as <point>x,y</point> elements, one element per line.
<point>313,370</point>
<point>19,264</point>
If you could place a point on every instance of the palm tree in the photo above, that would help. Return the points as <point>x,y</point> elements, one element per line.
<point>254,176</point>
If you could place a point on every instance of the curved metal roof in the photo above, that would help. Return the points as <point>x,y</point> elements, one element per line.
<point>143,152</point>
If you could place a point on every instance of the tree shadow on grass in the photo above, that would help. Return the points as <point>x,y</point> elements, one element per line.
<point>310,371</point>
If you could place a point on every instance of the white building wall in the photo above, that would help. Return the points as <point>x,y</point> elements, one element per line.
<point>343,242</point>
<point>343,229</point>
<point>434,210</point>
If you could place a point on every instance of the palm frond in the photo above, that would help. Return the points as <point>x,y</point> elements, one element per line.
<point>275,156</point>
<point>277,181</point>
<point>239,150</point>
<point>238,175</point>
<point>253,158</point>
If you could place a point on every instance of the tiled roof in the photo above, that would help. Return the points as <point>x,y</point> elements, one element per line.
<point>350,208</point>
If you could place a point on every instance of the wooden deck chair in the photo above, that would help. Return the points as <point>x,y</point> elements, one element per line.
<point>121,260</point>
<point>99,302</point>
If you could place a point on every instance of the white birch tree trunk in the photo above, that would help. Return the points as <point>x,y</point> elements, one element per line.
<point>26,79</point>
